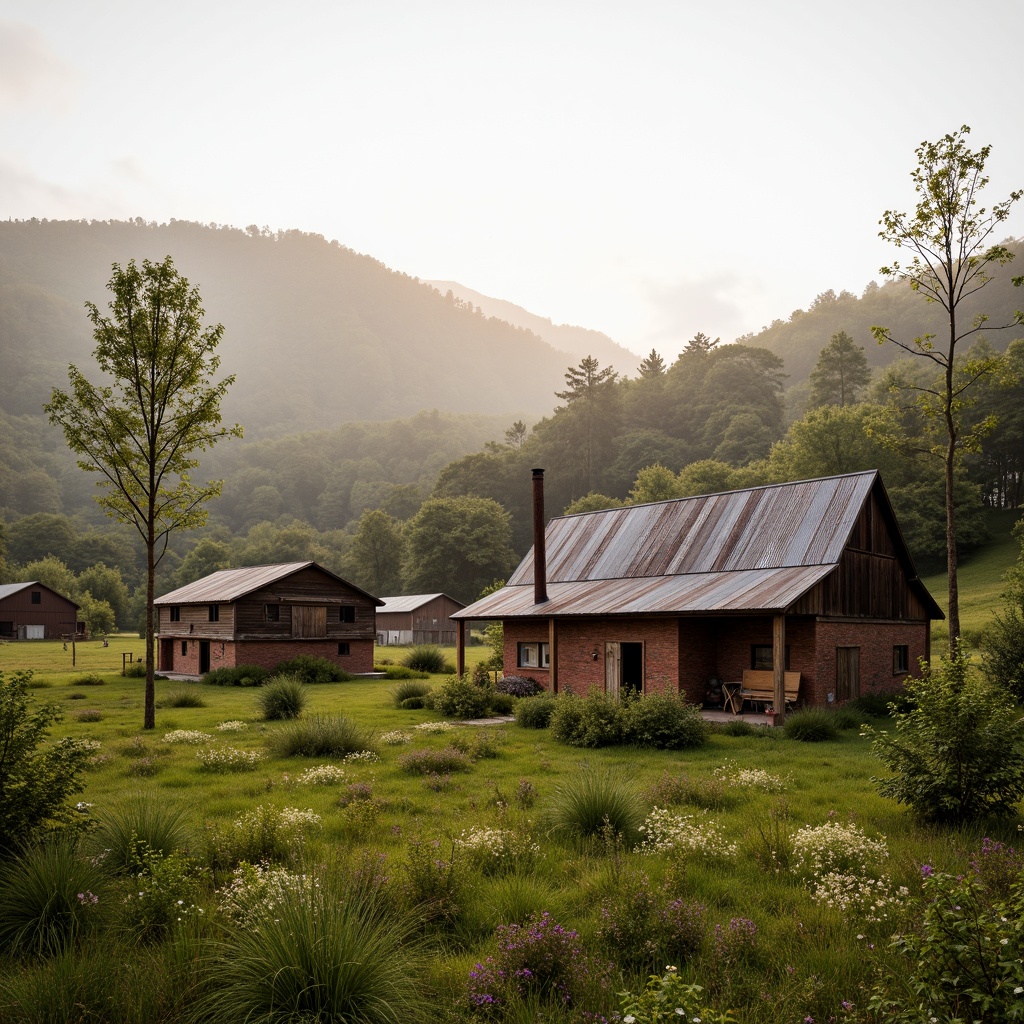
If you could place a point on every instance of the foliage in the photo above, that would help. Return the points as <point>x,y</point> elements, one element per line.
<point>375,557</point>
<point>320,736</point>
<point>312,670</point>
<point>90,679</point>
<point>461,698</point>
<point>264,833</point>
<point>497,850</point>
<point>135,824</point>
<point>435,762</point>
<point>408,688</point>
<point>663,721</point>
<point>536,712</point>
<point>666,998</point>
<point>237,675</point>
<point>434,887</point>
<point>840,374</point>
<point>282,697</point>
<point>1003,653</point>
<point>141,431</point>
<point>591,721</point>
<point>50,896</point>
<point>519,686</point>
<point>958,753</point>
<point>165,891</point>
<point>183,697</point>
<point>426,658</point>
<point>682,834</point>
<point>226,760</point>
<point>35,780</point>
<point>319,954</point>
<point>399,672</point>
<point>595,804</point>
<point>811,725</point>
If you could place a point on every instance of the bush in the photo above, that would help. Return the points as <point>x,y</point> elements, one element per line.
<point>240,675</point>
<point>183,697</point>
<point>502,704</point>
<point>811,725</point>
<point>407,690</point>
<point>594,804</point>
<point>519,686</point>
<point>320,736</point>
<point>958,754</point>
<point>846,718</point>
<point>34,783</point>
<point>591,721</point>
<point>413,704</point>
<point>872,705</point>
<point>461,698</point>
<point>535,712</point>
<point>312,670</point>
<point>92,679</point>
<point>427,658</point>
<point>663,721</point>
<point>48,899</point>
<point>136,824</point>
<point>282,697</point>
<point>1003,653</point>
<point>136,670</point>
<point>263,834</point>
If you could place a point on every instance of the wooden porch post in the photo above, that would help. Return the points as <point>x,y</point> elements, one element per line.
<point>779,666</point>
<point>553,655</point>
<point>460,648</point>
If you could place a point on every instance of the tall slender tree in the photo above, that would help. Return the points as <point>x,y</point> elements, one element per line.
<point>141,430</point>
<point>949,237</point>
<point>590,396</point>
<point>840,374</point>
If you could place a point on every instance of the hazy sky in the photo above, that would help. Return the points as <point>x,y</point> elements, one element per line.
<point>646,168</point>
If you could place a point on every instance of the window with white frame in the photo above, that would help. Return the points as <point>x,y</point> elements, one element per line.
<point>532,655</point>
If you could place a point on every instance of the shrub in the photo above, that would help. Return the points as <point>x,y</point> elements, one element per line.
<point>164,892</point>
<point>256,889</point>
<point>435,762</point>
<point>48,899</point>
<point>461,698</point>
<point>434,887</point>
<point>958,754</point>
<point>535,712</point>
<point>845,718</point>
<point>836,847</point>
<point>1003,651</point>
<point>408,690</point>
<point>426,658</point>
<point>502,704</point>
<point>319,955</point>
<point>663,721</point>
<point>312,670</point>
<point>136,670</point>
<point>265,833</point>
<point>92,679</point>
<point>519,686</point>
<point>811,725</point>
<point>135,824</point>
<point>591,721</point>
<point>872,705</point>
<point>183,697</point>
<point>34,783</point>
<point>737,728</point>
<point>282,697</point>
<point>400,672</point>
<point>320,736</point>
<point>413,704</point>
<point>594,804</point>
<point>240,675</point>
<point>649,1006</point>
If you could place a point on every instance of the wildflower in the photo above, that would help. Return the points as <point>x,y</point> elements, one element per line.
<point>927,870</point>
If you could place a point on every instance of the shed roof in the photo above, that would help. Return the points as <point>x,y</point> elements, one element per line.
<point>411,602</point>
<point>9,589</point>
<point>758,549</point>
<point>227,585</point>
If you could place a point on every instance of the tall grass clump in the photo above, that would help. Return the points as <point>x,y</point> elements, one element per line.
<point>282,697</point>
<point>408,690</point>
<point>427,658</point>
<point>48,899</point>
<point>136,824</point>
<point>183,697</point>
<point>811,725</point>
<point>313,670</point>
<point>320,956</point>
<point>239,675</point>
<point>320,736</point>
<point>596,804</point>
<point>90,679</point>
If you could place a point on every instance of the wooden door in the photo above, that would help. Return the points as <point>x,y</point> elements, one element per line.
<point>309,620</point>
<point>847,673</point>
<point>612,669</point>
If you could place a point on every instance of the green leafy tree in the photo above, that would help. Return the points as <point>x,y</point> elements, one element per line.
<point>98,616</point>
<point>141,429</point>
<point>457,545</point>
<point>35,780</point>
<point>106,584</point>
<point>376,553</point>
<point>958,753</point>
<point>654,483</point>
<point>591,503</point>
<point>841,373</point>
<point>494,632</point>
<point>590,399</point>
<point>707,476</point>
<point>949,237</point>
<point>52,573</point>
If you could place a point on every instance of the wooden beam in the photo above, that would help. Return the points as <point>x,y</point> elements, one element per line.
<point>779,667</point>
<point>460,649</point>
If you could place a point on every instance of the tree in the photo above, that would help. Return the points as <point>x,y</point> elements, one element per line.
<point>142,428</point>
<point>949,237</point>
<point>376,553</point>
<point>840,374</point>
<point>652,366</point>
<point>1003,645</point>
<point>700,344</point>
<point>590,397</point>
<point>591,503</point>
<point>654,483</point>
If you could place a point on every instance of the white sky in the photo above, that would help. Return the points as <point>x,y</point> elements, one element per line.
<point>649,168</point>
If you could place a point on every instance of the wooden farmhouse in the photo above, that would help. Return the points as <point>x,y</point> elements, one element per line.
<point>263,615</point>
<point>417,619</point>
<point>809,583</point>
<point>32,611</point>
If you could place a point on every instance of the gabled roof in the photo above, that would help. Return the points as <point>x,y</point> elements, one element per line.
<point>756,549</point>
<point>229,585</point>
<point>8,589</point>
<point>411,602</point>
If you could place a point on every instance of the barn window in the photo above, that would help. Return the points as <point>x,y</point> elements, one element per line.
<point>37,597</point>
<point>534,655</point>
<point>272,612</point>
<point>343,649</point>
<point>762,657</point>
<point>184,647</point>
<point>347,613</point>
<point>175,612</point>
<point>900,659</point>
<point>214,612</point>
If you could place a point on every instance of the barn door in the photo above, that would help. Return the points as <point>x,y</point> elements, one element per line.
<point>612,669</point>
<point>847,673</point>
<point>309,620</point>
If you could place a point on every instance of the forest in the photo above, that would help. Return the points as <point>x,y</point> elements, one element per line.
<point>390,429</point>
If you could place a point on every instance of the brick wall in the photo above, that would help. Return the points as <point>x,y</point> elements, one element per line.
<point>268,654</point>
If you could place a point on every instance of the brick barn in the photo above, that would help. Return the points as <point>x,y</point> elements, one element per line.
<point>263,615</point>
<point>810,578</point>
<point>32,611</point>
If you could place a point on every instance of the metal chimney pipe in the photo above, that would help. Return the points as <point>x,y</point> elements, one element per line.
<point>540,565</point>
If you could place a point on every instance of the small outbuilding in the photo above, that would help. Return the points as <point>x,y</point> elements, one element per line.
<point>807,588</point>
<point>417,619</point>
<point>32,611</point>
<point>263,615</point>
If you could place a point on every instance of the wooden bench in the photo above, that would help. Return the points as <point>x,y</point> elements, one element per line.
<point>759,686</point>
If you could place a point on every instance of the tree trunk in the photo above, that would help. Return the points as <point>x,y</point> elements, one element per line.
<point>149,718</point>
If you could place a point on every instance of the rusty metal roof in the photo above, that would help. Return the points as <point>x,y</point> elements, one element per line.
<point>755,549</point>
<point>229,585</point>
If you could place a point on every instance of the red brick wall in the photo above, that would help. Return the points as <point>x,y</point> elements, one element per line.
<point>269,654</point>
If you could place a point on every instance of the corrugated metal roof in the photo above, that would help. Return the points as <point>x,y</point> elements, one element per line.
<point>6,589</point>
<point>410,603</point>
<point>229,585</point>
<point>731,591</point>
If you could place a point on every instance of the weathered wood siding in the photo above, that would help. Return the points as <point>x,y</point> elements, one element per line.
<point>55,613</point>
